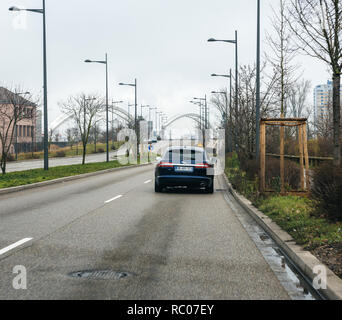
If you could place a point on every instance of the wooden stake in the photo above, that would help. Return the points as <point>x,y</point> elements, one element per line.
<point>282,159</point>
<point>306,155</point>
<point>262,157</point>
<point>301,155</point>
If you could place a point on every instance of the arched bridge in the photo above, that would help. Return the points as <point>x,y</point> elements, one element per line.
<point>193,116</point>
<point>123,114</point>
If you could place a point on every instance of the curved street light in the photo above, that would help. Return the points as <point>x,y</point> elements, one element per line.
<point>107,133</point>
<point>230,101</point>
<point>46,128</point>
<point>206,115</point>
<point>135,85</point>
<point>236,63</point>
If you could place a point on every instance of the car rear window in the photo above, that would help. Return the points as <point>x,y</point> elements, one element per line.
<point>185,156</point>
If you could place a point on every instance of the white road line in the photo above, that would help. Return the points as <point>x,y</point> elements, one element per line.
<point>148,181</point>
<point>14,245</point>
<point>110,200</point>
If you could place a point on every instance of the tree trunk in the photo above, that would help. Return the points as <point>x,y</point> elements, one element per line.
<point>84,153</point>
<point>3,164</point>
<point>337,119</point>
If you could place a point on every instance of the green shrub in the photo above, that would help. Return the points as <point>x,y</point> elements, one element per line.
<point>245,183</point>
<point>327,191</point>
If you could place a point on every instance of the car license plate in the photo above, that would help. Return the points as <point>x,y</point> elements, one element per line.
<point>184,169</point>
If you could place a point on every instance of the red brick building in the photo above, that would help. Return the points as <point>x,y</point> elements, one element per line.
<point>15,108</point>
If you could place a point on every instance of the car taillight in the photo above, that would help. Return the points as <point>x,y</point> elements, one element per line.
<point>165,165</point>
<point>203,165</point>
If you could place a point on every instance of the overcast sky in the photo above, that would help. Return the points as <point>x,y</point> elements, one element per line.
<point>161,42</point>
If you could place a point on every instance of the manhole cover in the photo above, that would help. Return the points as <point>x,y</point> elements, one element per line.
<point>100,274</point>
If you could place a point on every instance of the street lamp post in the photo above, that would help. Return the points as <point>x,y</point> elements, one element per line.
<point>230,102</point>
<point>158,114</point>
<point>236,65</point>
<point>107,133</point>
<point>155,123</point>
<point>149,121</point>
<point>200,114</point>
<point>135,84</point>
<point>205,126</point>
<point>141,110</point>
<point>205,110</point>
<point>46,128</point>
<point>257,111</point>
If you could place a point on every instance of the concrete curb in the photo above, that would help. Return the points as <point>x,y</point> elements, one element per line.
<point>304,260</point>
<point>65,179</point>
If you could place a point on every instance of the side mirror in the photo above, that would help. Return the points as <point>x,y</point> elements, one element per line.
<point>158,159</point>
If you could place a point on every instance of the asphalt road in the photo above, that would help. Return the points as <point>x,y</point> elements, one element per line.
<point>173,245</point>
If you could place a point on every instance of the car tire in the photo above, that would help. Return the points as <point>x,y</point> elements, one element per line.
<point>210,189</point>
<point>157,188</point>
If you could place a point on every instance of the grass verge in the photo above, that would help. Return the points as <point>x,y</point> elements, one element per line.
<point>296,216</point>
<point>19,178</point>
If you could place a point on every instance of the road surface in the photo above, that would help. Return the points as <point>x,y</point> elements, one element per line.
<point>172,245</point>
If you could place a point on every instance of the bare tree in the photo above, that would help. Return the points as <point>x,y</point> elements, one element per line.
<point>282,56</point>
<point>297,103</point>
<point>317,25</point>
<point>242,120</point>
<point>297,98</point>
<point>13,109</point>
<point>94,132</point>
<point>83,109</point>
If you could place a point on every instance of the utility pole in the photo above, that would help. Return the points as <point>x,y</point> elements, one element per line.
<point>257,111</point>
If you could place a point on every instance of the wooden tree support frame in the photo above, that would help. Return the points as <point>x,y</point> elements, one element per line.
<point>303,152</point>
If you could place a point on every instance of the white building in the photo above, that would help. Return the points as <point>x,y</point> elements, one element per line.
<point>323,101</point>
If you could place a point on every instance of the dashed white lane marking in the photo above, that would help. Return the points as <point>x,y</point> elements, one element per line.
<point>148,181</point>
<point>14,245</point>
<point>113,199</point>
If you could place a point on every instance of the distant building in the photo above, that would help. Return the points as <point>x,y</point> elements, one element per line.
<point>323,101</point>
<point>24,133</point>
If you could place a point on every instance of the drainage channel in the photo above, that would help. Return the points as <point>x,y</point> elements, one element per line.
<point>294,282</point>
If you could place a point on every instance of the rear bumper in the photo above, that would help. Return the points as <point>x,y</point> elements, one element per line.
<point>184,181</point>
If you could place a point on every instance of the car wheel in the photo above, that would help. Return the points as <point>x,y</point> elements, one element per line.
<point>210,189</point>
<point>157,188</point>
